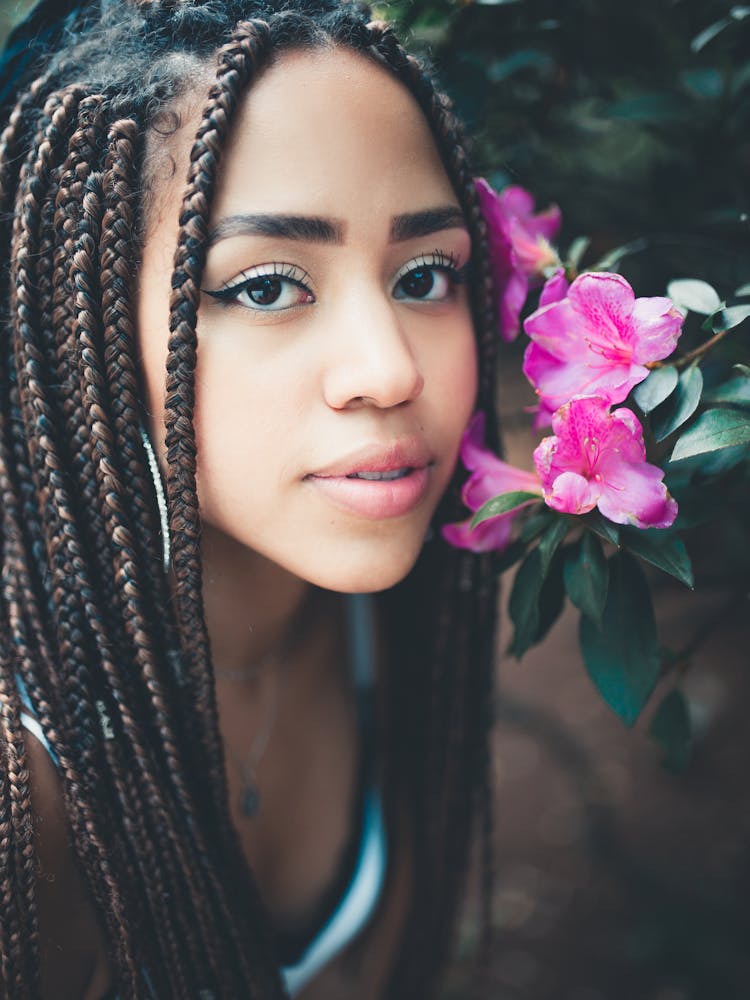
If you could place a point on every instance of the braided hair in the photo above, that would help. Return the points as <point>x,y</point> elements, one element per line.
<point>87,621</point>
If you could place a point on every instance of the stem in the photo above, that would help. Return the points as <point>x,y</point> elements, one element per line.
<point>697,352</point>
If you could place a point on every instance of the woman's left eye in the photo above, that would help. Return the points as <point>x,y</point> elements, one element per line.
<point>271,291</point>
<point>431,279</point>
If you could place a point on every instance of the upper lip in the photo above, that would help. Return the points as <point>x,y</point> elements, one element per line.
<point>386,457</point>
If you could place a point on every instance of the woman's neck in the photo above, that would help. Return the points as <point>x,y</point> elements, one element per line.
<point>251,604</point>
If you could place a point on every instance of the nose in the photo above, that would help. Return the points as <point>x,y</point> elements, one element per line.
<point>373,361</point>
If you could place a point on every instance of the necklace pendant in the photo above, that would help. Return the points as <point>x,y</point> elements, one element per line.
<point>250,802</point>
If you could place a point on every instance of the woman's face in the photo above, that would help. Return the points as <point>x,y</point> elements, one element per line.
<point>336,355</point>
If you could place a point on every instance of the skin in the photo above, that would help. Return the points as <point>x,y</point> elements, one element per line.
<point>357,360</point>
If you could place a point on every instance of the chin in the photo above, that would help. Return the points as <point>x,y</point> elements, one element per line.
<point>364,572</point>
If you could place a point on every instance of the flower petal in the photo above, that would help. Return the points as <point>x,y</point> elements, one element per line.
<point>514,287</point>
<point>572,494</point>
<point>516,201</point>
<point>634,493</point>
<point>658,325</point>
<point>472,442</point>
<point>557,328</point>
<point>496,477</point>
<point>491,535</point>
<point>605,302</point>
<point>490,474</point>
<point>555,288</point>
<point>548,222</point>
<point>558,381</point>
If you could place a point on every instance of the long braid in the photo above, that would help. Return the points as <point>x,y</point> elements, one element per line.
<point>66,561</point>
<point>92,436</point>
<point>86,334</point>
<point>18,882</point>
<point>236,62</point>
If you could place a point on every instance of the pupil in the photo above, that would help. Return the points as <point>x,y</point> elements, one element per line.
<point>419,282</point>
<point>266,291</point>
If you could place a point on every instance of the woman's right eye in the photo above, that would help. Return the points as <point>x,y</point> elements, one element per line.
<point>268,291</point>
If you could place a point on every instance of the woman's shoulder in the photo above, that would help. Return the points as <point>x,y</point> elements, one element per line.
<point>72,945</point>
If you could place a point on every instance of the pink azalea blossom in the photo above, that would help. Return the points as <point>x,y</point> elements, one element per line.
<point>490,476</point>
<point>555,288</point>
<point>520,247</point>
<point>598,459</point>
<point>597,340</point>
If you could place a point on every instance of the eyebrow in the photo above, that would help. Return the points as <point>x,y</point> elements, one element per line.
<point>314,229</point>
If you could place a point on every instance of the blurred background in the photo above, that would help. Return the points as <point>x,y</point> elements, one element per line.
<point>617,879</point>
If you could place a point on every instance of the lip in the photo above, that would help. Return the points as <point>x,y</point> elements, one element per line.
<point>377,499</point>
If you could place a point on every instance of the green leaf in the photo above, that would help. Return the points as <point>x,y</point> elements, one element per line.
<point>536,524</point>
<point>707,82</point>
<point>523,604</point>
<point>708,34</point>
<point>576,250</point>
<point>649,107</point>
<point>735,390</point>
<point>712,430</point>
<point>730,316</point>
<point>694,295</point>
<point>656,388</point>
<point>604,528</point>
<point>508,556</point>
<point>681,405</point>
<point>500,69</point>
<point>502,504</point>
<point>696,506</point>
<point>551,597</point>
<point>622,655</point>
<point>586,576</point>
<point>670,730</point>
<point>536,599</point>
<point>550,540</point>
<point>719,462</point>
<point>662,549</point>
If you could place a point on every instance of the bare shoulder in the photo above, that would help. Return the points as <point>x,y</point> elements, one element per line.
<point>72,945</point>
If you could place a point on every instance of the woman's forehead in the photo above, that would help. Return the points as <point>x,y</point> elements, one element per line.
<point>325,132</point>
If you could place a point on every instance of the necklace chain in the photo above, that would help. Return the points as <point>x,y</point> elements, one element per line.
<point>278,655</point>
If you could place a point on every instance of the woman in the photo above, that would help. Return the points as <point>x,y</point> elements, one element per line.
<point>225,772</point>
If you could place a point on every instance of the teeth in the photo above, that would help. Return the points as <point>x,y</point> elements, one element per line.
<point>395,474</point>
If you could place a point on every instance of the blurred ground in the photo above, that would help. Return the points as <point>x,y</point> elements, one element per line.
<point>615,879</point>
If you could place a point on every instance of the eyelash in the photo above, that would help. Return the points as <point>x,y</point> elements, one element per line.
<point>438,260</point>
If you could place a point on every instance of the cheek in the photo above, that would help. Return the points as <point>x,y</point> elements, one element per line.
<point>454,382</point>
<point>241,417</point>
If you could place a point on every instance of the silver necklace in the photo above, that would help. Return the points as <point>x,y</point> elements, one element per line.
<point>249,799</point>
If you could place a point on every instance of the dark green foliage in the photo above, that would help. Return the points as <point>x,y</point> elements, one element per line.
<point>622,654</point>
<point>680,405</point>
<point>587,576</point>
<point>633,117</point>
<point>670,729</point>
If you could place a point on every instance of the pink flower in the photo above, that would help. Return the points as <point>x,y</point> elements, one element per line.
<point>519,244</point>
<point>597,340</point>
<point>555,288</point>
<point>490,477</point>
<point>598,459</point>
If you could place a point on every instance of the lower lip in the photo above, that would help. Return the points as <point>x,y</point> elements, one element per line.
<point>374,498</point>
